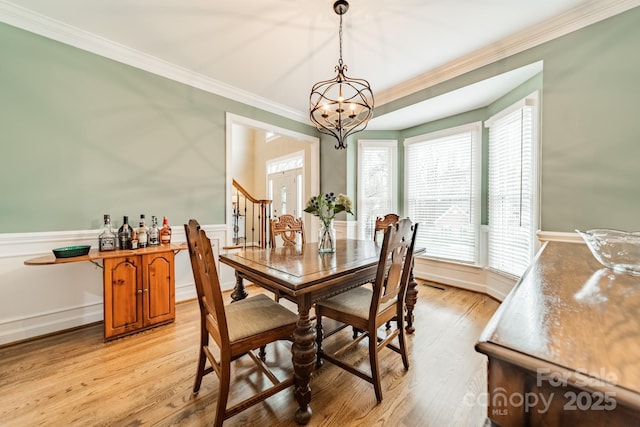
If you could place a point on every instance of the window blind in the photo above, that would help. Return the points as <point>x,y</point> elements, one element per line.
<point>442,192</point>
<point>511,191</point>
<point>376,183</point>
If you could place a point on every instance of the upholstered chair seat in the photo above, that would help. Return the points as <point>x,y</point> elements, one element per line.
<point>256,315</point>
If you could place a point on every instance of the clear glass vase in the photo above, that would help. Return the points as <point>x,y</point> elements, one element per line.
<point>326,237</point>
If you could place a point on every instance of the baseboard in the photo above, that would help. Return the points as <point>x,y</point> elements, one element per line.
<point>462,276</point>
<point>185,292</point>
<point>20,329</point>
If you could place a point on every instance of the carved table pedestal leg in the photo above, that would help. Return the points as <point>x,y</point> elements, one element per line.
<point>304,357</point>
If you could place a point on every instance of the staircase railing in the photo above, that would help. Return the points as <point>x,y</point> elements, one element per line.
<point>250,218</point>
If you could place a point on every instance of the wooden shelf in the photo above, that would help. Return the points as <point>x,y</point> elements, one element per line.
<point>95,255</point>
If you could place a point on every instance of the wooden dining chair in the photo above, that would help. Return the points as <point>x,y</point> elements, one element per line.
<point>288,228</point>
<point>236,329</point>
<point>368,309</point>
<point>381,224</point>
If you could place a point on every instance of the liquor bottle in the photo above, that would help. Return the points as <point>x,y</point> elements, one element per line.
<point>124,234</point>
<point>165,232</point>
<point>107,239</point>
<point>154,232</point>
<point>142,233</point>
<point>134,240</point>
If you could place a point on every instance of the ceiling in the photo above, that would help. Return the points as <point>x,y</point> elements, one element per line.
<point>269,53</point>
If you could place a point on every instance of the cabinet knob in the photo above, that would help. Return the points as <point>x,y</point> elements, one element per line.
<point>139,291</point>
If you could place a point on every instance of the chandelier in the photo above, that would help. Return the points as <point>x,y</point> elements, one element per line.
<point>341,106</point>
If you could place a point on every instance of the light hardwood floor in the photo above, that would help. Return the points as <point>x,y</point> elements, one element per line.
<point>75,379</point>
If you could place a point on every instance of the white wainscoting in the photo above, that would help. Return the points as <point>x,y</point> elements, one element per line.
<point>38,300</point>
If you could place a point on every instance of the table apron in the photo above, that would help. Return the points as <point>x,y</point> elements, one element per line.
<point>319,290</point>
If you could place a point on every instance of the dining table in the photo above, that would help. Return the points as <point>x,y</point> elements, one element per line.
<point>304,276</point>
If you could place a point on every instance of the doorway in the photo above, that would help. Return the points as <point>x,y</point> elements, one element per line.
<point>285,190</point>
<point>250,164</point>
<point>285,182</point>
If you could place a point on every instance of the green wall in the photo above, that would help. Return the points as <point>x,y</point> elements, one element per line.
<point>590,132</point>
<point>82,135</point>
<point>590,140</point>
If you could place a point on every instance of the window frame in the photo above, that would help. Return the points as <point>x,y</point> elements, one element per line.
<point>363,144</point>
<point>476,175</point>
<point>532,100</point>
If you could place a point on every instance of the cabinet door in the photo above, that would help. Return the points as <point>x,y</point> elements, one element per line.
<point>158,288</point>
<point>122,296</point>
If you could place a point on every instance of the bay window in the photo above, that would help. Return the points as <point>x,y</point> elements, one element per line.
<point>442,191</point>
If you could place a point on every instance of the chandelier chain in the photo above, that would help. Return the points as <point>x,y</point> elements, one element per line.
<point>340,38</point>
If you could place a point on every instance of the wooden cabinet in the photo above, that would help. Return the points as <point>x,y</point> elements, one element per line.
<point>139,292</point>
<point>563,348</point>
<point>139,286</point>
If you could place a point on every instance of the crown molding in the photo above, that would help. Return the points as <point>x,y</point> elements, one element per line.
<point>572,20</point>
<point>560,25</point>
<point>33,22</point>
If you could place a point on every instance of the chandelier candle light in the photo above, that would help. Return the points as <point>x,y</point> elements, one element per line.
<point>341,106</point>
<point>326,206</point>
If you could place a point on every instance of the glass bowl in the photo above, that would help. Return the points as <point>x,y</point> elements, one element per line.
<point>615,249</point>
